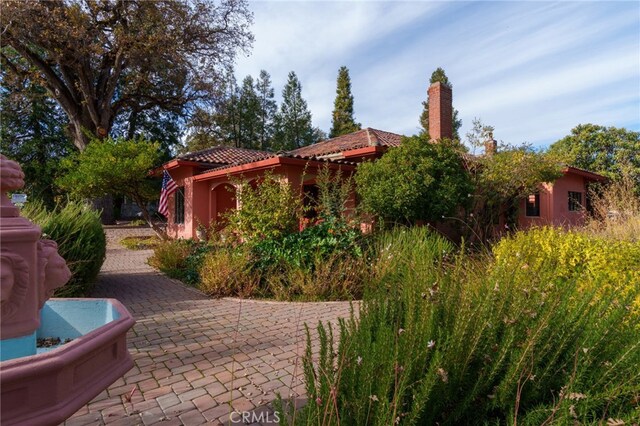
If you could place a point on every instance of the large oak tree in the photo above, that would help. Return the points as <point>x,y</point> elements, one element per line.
<point>611,151</point>
<point>103,58</point>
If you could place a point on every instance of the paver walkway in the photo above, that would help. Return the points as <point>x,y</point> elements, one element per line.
<point>197,360</point>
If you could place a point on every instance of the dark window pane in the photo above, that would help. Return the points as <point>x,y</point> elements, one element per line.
<point>178,216</point>
<point>533,205</point>
<point>575,201</point>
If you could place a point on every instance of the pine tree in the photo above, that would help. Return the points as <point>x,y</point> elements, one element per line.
<point>249,115</point>
<point>439,76</point>
<point>293,122</point>
<point>343,121</point>
<point>32,132</point>
<point>267,110</point>
<point>228,114</point>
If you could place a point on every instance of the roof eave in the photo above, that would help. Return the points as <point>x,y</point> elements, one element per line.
<point>267,164</point>
<point>585,173</point>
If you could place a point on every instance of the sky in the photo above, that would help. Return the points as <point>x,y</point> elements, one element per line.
<point>533,70</point>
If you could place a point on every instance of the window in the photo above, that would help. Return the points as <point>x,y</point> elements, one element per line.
<point>575,201</point>
<point>533,205</point>
<point>178,206</point>
<point>311,194</point>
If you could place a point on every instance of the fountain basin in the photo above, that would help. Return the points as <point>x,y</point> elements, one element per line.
<point>49,386</point>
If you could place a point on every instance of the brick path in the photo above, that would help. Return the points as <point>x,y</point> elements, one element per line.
<point>198,359</point>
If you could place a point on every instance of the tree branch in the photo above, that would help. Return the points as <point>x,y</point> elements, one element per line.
<point>55,85</point>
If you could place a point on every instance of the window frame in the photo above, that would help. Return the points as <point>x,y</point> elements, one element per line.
<point>178,206</point>
<point>574,203</point>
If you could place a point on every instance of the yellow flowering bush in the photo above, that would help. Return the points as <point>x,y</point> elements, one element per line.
<point>592,262</point>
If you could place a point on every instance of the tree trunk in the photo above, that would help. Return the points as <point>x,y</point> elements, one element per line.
<point>147,217</point>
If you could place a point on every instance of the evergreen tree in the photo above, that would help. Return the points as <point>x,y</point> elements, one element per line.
<point>249,115</point>
<point>33,133</point>
<point>293,122</point>
<point>229,116</point>
<point>439,76</point>
<point>343,121</point>
<point>267,110</point>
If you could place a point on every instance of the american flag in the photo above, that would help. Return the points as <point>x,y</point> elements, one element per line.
<point>168,187</point>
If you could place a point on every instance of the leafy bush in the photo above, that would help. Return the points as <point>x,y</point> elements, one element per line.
<point>446,338</point>
<point>416,181</point>
<point>589,262</point>
<point>302,249</point>
<point>271,210</point>
<point>111,166</point>
<point>77,229</point>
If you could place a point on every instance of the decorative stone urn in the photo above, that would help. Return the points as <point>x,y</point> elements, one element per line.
<point>89,352</point>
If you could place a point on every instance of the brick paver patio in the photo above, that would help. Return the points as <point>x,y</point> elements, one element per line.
<point>197,360</point>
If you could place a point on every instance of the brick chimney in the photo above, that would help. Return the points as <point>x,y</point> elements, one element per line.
<point>440,111</point>
<point>490,145</point>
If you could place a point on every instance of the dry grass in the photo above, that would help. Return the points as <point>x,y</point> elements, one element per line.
<point>616,210</point>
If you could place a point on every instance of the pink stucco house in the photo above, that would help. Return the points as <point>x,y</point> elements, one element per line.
<point>206,178</point>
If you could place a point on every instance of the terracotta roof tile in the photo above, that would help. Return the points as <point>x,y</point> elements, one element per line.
<point>355,140</point>
<point>226,155</point>
<point>220,157</point>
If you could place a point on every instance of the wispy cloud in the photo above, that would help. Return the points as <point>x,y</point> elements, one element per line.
<point>533,70</point>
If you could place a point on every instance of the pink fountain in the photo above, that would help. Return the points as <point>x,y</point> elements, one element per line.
<point>86,348</point>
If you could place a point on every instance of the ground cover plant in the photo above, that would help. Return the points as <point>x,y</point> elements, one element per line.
<point>445,337</point>
<point>77,229</point>
<point>140,242</point>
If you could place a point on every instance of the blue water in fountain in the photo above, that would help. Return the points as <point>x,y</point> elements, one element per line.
<point>63,319</point>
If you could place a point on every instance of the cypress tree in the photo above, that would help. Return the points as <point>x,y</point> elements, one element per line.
<point>439,76</point>
<point>343,121</point>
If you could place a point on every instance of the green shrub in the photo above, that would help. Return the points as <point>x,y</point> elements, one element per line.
<point>446,338</point>
<point>591,262</point>
<point>416,181</point>
<point>305,248</point>
<point>269,211</point>
<point>81,242</point>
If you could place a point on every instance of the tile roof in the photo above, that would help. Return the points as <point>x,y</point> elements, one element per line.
<point>355,140</point>
<point>221,157</point>
<point>226,155</point>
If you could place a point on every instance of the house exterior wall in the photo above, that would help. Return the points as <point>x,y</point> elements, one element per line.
<point>561,214</point>
<point>554,204</point>
<point>183,178</point>
<point>546,209</point>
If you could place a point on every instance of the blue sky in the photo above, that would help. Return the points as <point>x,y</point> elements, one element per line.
<point>533,70</point>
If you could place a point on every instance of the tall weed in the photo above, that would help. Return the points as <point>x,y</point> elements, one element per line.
<point>616,211</point>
